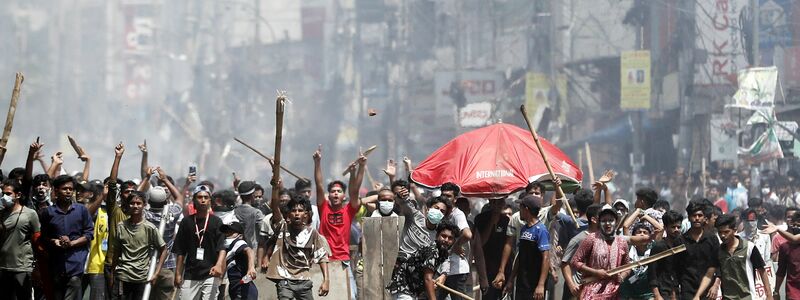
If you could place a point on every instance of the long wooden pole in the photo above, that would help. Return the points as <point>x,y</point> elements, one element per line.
<point>366,153</point>
<point>270,159</point>
<point>589,162</point>
<point>547,164</point>
<point>276,163</point>
<point>12,109</point>
<point>669,252</point>
<point>452,291</point>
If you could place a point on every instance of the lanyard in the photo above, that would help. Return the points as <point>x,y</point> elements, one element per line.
<point>197,230</point>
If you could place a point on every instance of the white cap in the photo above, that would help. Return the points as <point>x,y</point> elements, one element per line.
<point>157,194</point>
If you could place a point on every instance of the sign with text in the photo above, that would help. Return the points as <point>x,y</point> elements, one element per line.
<point>475,114</point>
<point>720,36</point>
<point>635,80</point>
<point>478,86</point>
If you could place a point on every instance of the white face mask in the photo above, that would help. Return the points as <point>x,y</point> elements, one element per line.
<point>6,201</point>
<point>385,207</point>
<point>764,191</point>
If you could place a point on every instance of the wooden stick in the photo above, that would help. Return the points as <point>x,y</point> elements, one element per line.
<point>276,162</point>
<point>589,162</point>
<point>670,252</point>
<point>270,160</point>
<point>580,164</point>
<point>12,109</point>
<point>703,175</point>
<point>75,146</point>
<point>547,164</point>
<point>366,153</point>
<point>452,291</point>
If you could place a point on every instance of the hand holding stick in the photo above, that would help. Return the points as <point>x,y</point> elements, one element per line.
<point>369,150</point>
<point>547,164</point>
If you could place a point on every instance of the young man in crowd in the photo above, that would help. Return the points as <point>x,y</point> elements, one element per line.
<point>19,234</point>
<point>416,276</point>
<point>546,215</point>
<point>419,231</point>
<point>762,242</point>
<point>135,241</point>
<point>599,253</point>
<point>298,247</point>
<point>200,249</point>
<point>240,261</point>
<point>777,239</point>
<point>702,249</point>
<point>247,214</point>
<point>303,187</point>
<point>572,278</point>
<point>789,262</point>
<point>492,225</point>
<point>735,274</point>
<point>530,271</point>
<point>459,263</point>
<point>661,274</point>
<point>165,203</point>
<point>67,228</point>
<point>336,216</point>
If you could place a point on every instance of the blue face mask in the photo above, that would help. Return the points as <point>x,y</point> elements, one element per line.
<point>435,216</point>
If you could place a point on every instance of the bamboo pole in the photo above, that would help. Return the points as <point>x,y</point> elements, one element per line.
<point>369,177</point>
<point>12,110</point>
<point>276,163</point>
<point>271,161</point>
<point>547,164</point>
<point>670,252</point>
<point>75,146</point>
<point>589,162</point>
<point>452,291</point>
<point>369,150</point>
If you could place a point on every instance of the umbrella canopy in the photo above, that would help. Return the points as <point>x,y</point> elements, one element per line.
<point>495,161</point>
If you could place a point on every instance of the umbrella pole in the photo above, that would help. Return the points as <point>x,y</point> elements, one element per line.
<point>589,162</point>
<point>547,164</point>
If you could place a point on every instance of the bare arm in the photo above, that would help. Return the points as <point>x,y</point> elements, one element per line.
<point>767,288</point>
<point>162,176</point>
<point>275,205</point>
<point>391,170</point>
<point>32,154</point>
<point>705,282</point>
<point>144,186</point>
<point>87,165</point>
<point>355,183</point>
<point>539,291</point>
<point>179,270</point>
<point>558,198</point>
<point>430,284</point>
<point>407,163</point>
<point>56,166</point>
<point>323,289</point>
<point>144,168</point>
<point>318,177</point>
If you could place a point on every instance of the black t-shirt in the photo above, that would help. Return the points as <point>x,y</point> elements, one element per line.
<point>187,243</point>
<point>493,249</point>
<point>661,273</point>
<point>693,263</point>
<point>533,241</point>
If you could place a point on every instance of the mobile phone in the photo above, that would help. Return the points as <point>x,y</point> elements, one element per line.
<point>192,170</point>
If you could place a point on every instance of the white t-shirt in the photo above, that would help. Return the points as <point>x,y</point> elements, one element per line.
<point>458,264</point>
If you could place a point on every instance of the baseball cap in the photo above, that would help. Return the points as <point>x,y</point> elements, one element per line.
<point>610,209</point>
<point>235,227</point>
<point>157,194</point>
<point>531,201</point>
<point>624,202</point>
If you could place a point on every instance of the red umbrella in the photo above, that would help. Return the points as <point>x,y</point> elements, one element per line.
<point>494,161</point>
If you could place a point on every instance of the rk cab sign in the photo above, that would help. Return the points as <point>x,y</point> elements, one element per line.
<point>475,114</point>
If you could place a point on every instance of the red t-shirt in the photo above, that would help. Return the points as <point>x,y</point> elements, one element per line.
<point>335,227</point>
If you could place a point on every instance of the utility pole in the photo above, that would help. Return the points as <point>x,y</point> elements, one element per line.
<point>636,116</point>
<point>754,10</point>
<point>686,31</point>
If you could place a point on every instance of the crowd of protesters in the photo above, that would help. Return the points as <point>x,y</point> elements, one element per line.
<point>69,237</point>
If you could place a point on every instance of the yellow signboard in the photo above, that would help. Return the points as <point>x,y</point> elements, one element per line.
<point>536,89</point>
<point>635,80</point>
